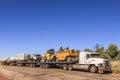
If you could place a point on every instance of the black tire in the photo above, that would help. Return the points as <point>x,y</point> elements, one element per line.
<point>93,69</point>
<point>65,67</point>
<point>70,67</point>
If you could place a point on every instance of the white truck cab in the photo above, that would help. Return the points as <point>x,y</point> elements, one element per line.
<point>91,61</point>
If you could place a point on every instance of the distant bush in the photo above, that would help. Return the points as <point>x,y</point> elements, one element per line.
<point>112,52</point>
<point>115,66</point>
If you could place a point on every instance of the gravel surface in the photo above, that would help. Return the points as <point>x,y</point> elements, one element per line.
<point>28,73</point>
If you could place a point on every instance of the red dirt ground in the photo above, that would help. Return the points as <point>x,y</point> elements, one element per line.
<point>2,77</point>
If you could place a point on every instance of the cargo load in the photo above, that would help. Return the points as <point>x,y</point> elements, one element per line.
<point>23,57</point>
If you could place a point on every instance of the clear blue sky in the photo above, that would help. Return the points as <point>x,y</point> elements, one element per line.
<point>32,26</point>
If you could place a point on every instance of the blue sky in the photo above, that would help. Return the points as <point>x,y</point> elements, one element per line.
<point>32,26</point>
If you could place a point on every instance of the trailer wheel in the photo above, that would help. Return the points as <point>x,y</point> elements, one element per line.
<point>19,65</point>
<point>46,66</point>
<point>93,69</point>
<point>65,67</point>
<point>70,67</point>
<point>40,65</point>
<point>43,65</point>
<point>34,65</point>
<point>31,65</point>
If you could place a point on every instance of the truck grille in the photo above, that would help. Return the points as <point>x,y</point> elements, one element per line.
<point>106,63</point>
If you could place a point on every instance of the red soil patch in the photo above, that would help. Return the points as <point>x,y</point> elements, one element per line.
<point>2,77</point>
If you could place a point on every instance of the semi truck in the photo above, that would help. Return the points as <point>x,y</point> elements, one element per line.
<point>88,61</point>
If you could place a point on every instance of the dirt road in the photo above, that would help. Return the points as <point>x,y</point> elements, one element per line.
<point>2,77</point>
<point>27,73</point>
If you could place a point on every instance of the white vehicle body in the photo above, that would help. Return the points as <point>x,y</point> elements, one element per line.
<point>12,59</point>
<point>90,61</point>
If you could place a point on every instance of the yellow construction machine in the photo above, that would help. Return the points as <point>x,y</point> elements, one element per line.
<point>49,55</point>
<point>66,54</point>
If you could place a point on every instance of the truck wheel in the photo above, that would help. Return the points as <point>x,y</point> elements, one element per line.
<point>93,69</point>
<point>65,67</point>
<point>70,67</point>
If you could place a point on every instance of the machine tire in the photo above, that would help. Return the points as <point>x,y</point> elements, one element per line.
<point>70,67</point>
<point>93,69</point>
<point>65,67</point>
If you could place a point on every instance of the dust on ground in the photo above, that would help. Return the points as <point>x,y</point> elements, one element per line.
<point>28,73</point>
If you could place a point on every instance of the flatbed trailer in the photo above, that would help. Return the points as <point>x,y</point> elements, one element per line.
<point>61,64</point>
<point>28,63</point>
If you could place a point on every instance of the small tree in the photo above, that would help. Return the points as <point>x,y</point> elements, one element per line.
<point>99,49</point>
<point>88,50</point>
<point>105,55</point>
<point>118,56</point>
<point>112,50</point>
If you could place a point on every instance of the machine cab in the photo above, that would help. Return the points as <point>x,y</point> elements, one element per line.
<point>50,51</point>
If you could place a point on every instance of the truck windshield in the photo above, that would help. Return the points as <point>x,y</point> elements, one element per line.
<point>95,55</point>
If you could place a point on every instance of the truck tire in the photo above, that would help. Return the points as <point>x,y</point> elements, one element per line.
<point>70,67</point>
<point>93,69</point>
<point>65,67</point>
